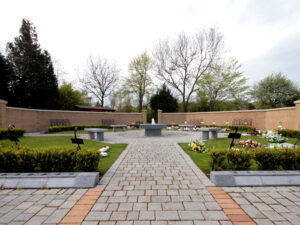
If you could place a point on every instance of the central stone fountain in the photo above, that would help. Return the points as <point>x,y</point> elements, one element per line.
<point>153,129</point>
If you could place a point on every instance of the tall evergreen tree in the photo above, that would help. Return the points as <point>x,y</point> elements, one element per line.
<point>164,100</point>
<point>6,79</point>
<point>35,85</point>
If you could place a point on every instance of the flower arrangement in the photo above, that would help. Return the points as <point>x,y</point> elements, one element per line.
<point>131,127</point>
<point>275,137</point>
<point>248,144</point>
<point>198,146</point>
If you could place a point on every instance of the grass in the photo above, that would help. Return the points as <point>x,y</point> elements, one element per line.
<point>63,141</point>
<point>202,160</point>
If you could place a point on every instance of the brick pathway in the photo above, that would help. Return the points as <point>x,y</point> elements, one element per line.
<point>153,182</point>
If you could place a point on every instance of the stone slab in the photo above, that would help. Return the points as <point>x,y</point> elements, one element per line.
<point>49,180</point>
<point>153,129</point>
<point>255,178</point>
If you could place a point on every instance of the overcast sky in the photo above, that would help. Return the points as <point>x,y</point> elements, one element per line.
<point>264,35</point>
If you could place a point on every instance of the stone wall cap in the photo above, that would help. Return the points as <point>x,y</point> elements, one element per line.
<point>297,102</point>
<point>3,101</point>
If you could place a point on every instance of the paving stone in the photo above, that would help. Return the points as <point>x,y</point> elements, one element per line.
<point>34,209</point>
<point>166,215</point>
<point>134,215</point>
<point>214,215</point>
<point>57,216</point>
<point>23,217</point>
<point>146,215</point>
<point>96,216</point>
<point>118,216</point>
<point>46,211</point>
<point>172,206</point>
<point>36,220</point>
<point>211,222</point>
<point>180,223</point>
<point>194,206</point>
<point>190,215</point>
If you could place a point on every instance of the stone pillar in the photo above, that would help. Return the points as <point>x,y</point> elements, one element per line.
<point>297,115</point>
<point>159,116</point>
<point>145,116</point>
<point>3,114</point>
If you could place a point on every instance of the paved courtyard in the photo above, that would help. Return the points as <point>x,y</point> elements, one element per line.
<point>153,182</point>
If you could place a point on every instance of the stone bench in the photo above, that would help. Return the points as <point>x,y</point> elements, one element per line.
<point>114,127</point>
<point>206,130</point>
<point>182,126</point>
<point>98,131</point>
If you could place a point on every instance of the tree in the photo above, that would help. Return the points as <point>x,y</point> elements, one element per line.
<point>6,79</point>
<point>181,63</point>
<point>274,91</point>
<point>68,97</point>
<point>223,81</point>
<point>139,81</point>
<point>164,100</point>
<point>35,84</point>
<point>100,78</point>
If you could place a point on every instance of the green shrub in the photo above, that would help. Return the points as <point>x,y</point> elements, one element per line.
<point>54,129</point>
<point>59,159</point>
<point>239,159</point>
<point>19,132</point>
<point>290,133</point>
<point>288,158</point>
<point>241,128</point>
<point>218,159</point>
<point>268,159</point>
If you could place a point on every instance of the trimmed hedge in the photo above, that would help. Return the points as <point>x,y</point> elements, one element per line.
<point>241,128</point>
<point>54,129</point>
<point>58,159</point>
<point>19,132</point>
<point>267,159</point>
<point>290,133</point>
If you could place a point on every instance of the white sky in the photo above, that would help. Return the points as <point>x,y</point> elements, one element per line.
<point>264,35</point>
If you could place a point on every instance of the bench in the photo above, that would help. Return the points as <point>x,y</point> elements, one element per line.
<point>118,126</point>
<point>206,130</point>
<point>182,126</point>
<point>98,131</point>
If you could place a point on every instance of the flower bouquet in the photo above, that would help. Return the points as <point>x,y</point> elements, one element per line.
<point>248,144</point>
<point>198,146</point>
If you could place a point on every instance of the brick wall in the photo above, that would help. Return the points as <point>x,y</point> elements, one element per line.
<point>39,120</point>
<point>268,119</point>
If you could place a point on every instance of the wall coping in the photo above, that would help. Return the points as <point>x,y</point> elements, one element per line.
<point>66,111</point>
<point>236,111</point>
<point>3,101</point>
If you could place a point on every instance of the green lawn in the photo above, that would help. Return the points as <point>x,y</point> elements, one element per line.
<point>63,141</point>
<point>202,160</point>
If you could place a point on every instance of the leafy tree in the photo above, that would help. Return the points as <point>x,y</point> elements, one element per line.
<point>274,91</point>
<point>223,82</point>
<point>139,81</point>
<point>164,100</point>
<point>6,79</point>
<point>35,84</point>
<point>68,97</point>
<point>180,63</point>
<point>100,78</point>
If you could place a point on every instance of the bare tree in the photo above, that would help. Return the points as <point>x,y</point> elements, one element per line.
<point>180,63</point>
<point>100,78</point>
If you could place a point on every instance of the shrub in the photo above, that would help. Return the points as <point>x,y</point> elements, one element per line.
<point>269,159</point>
<point>19,132</point>
<point>59,159</point>
<point>218,159</point>
<point>241,128</point>
<point>290,133</point>
<point>239,159</point>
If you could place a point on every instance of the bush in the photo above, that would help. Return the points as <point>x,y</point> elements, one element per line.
<point>218,159</point>
<point>290,133</point>
<point>268,159</point>
<point>19,132</point>
<point>241,128</point>
<point>239,159</point>
<point>59,159</point>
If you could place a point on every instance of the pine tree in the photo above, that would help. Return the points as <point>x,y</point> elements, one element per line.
<point>35,85</point>
<point>164,100</point>
<point>6,79</point>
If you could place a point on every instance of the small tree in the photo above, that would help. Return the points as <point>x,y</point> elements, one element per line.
<point>274,91</point>
<point>68,97</point>
<point>181,63</point>
<point>35,84</point>
<point>164,100</point>
<point>223,82</point>
<point>100,78</point>
<point>139,82</point>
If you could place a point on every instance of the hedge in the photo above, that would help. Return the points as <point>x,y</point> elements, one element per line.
<point>55,159</point>
<point>267,159</point>
<point>19,132</point>
<point>241,128</point>
<point>290,133</point>
<point>54,129</point>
